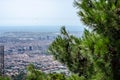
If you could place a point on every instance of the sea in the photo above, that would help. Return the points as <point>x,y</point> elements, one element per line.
<point>39,28</point>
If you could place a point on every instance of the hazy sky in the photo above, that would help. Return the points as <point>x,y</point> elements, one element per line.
<point>38,13</point>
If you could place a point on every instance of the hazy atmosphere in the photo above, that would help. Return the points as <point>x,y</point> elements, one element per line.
<point>21,14</point>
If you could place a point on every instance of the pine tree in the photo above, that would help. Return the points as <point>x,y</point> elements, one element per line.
<point>87,56</point>
<point>66,49</point>
<point>103,16</point>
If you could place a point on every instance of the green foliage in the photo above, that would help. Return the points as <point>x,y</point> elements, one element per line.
<point>4,78</point>
<point>76,77</point>
<point>103,16</point>
<point>33,74</point>
<point>20,76</point>
<point>87,56</point>
<point>66,49</point>
<point>56,76</point>
<point>95,48</point>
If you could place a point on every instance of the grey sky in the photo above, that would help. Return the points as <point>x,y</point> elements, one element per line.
<point>38,13</point>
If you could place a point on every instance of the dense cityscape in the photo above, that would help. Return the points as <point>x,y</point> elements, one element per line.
<point>24,48</point>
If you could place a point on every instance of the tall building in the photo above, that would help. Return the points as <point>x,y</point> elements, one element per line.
<point>30,48</point>
<point>1,60</point>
